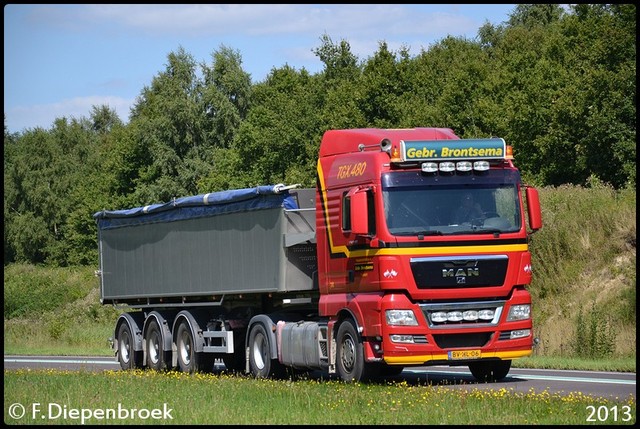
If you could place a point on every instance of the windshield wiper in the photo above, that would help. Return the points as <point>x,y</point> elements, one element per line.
<point>418,233</point>
<point>480,230</point>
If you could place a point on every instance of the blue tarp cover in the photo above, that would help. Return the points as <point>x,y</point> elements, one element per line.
<point>204,205</point>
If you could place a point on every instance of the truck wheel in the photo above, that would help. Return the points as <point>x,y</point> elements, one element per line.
<point>259,356</point>
<point>156,358</point>
<point>350,355</point>
<point>260,363</point>
<point>490,371</point>
<point>127,356</point>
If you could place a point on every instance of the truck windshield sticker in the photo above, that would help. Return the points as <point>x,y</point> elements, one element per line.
<point>424,150</point>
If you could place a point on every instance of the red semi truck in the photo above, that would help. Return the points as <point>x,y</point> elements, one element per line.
<point>412,250</point>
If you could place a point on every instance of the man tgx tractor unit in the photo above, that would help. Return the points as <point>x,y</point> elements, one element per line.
<point>370,272</point>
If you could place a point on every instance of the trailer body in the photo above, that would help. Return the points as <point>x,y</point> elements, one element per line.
<point>240,241</point>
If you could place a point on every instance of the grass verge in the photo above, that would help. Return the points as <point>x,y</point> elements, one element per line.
<point>149,397</point>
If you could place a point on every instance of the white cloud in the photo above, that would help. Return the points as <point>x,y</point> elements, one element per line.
<point>21,118</point>
<point>198,20</point>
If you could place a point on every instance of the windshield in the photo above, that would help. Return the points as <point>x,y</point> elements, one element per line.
<point>417,204</point>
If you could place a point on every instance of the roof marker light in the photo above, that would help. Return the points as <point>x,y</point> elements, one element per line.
<point>447,167</point>
<point>481,165</point>
<point>429,167</point>
<point>463,166</point>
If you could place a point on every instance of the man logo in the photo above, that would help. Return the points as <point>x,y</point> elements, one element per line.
<point>461,273</point>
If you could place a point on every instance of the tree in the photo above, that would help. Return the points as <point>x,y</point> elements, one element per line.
<point>339,62</point>
<point>336,88</point>
<point>167,127</point>
<point>384,80</point>
<point>277,143</point>
<point>531,15</point>
<point>226,96</point>
<point>103,119</point>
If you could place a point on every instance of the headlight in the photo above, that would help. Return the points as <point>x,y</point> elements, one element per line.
<point>401,317</point>
<point>519,312</point>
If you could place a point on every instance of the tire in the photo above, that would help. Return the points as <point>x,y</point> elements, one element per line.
<point>127,356</point>
<point>259,356</point>
<point>186,348</point>
<point>260,363</point>
<point>350,355</point>
<point>188,360</point>
<point>156,356</point>
<point>490,371</point>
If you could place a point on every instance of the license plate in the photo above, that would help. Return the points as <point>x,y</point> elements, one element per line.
<point>464,354</point>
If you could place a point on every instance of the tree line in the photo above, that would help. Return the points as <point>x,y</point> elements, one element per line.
<point>557,84</point>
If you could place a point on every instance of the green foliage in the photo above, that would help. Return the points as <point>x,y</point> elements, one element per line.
<point>226,96</point>
<point>530,15</point>
<point>594,335</point>
<point>577,220</point>
<point>55,311</point>
<point>29,292</point>
<point>585,252</point>
<point>279,139</point>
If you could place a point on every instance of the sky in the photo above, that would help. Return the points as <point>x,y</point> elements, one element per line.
<point>60,60</point>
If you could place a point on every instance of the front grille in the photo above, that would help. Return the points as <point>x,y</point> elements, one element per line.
<point>452,341</point>
<point>459,271</point>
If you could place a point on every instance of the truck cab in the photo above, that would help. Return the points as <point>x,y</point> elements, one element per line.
<point>423,246</point>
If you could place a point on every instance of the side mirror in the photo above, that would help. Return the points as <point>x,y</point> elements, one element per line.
<point>359,215</point>
<point>533,209</point>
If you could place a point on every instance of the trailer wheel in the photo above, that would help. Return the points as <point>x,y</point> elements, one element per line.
<point>186,348</point>
<point>127,356</point>
<point>188,360</point>
<point>350,355</point>
<point>490,371</point>
<point>156,358</point>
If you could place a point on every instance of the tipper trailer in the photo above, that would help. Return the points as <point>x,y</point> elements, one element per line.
<point>370,272</point>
